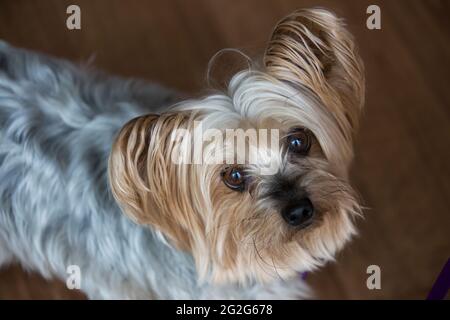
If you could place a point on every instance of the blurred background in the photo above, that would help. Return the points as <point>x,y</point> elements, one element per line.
<point>402,164</point>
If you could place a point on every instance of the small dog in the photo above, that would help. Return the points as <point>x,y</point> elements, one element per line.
<point>78,149</point>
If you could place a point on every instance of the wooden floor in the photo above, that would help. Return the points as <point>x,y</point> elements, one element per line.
<point>402,165</point>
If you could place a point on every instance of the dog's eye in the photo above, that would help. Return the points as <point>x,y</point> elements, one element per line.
<point>234,178</point>
<point>299,141</point>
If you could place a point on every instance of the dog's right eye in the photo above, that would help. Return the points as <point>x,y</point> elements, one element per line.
<point>234,178</point>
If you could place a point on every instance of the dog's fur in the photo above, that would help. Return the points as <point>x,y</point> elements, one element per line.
<point>194,237</point>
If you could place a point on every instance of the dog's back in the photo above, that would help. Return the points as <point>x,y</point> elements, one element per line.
<point>57,124</point>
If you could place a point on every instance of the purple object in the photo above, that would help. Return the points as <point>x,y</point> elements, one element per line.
<point>441,285</point>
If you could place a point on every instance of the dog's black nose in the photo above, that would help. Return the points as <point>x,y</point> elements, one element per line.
<point>299,214</point>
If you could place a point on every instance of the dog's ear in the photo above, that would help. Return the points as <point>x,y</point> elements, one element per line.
<point>312,49</point>
<point>141,173</point>
<point>128,174</point>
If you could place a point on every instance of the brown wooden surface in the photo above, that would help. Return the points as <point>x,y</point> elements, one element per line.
<point>402,165</point>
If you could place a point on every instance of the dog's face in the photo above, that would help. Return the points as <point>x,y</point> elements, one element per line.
<point>276,203</point>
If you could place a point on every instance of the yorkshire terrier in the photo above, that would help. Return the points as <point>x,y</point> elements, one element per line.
<point>81,153</point>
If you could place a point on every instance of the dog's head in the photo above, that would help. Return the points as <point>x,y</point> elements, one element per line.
<point>254,181</point>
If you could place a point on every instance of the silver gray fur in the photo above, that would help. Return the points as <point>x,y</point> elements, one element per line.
<point>57,124</point>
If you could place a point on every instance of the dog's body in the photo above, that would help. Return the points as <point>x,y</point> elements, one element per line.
<point>199,235</point>
<point>57,125</point>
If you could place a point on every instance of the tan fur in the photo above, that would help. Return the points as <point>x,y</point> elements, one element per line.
<point>240,236</point>
<point>312,48</point>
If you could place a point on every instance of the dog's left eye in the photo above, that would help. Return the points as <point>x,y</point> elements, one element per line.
<point>234,178</point>
<point>299,141</point>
